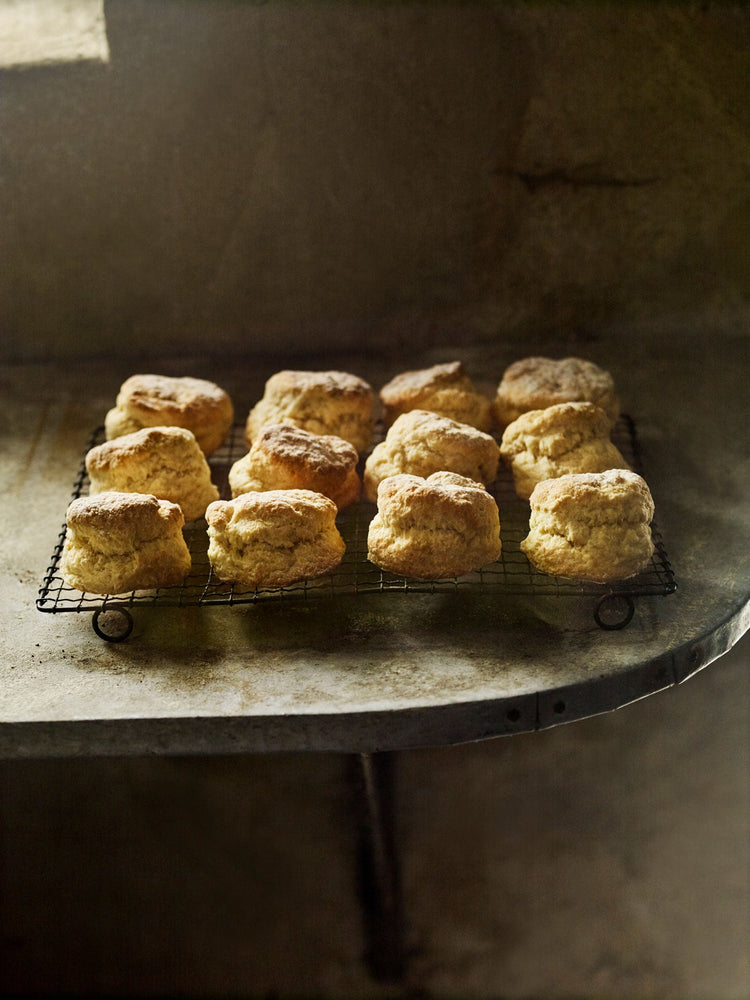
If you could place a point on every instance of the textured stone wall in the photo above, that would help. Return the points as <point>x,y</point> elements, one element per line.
<point>267,177</point>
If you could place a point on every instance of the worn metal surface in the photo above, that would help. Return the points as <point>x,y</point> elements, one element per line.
<point>382,671</point>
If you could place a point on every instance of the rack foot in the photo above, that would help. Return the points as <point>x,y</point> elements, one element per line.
<point>614,611</point>
<point>114,624</point>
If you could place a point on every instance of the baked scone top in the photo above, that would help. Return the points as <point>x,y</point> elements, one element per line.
<point>122,517</point>
<point>182,401</point>
<point>322,402</point>
<point>131,448</point>
<point>303,510</point>
<point>446,389</point>
<point>421,442</point>
<point>333,383</point>
<point>305,452</point>
<point>285,456</point>
<point>443,499</point>
<point>616,496</point>
<point>174,396</point>
<point>537,382</point>
<point>555,430</point>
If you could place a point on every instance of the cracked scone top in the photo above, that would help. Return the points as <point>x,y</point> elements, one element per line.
<point>443,526</point>
<point>273,538</point>
<point>285,457</point>
<point>164,400</point>
<point>446,389</point>
<point>118,542</point>
<point>421,442</point>
<point>325,402</point>
<point>591,526</point>
<point>560,439</point>
<point>537,382</point>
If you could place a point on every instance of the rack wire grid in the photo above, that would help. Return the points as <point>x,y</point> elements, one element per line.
<point>512,574</point>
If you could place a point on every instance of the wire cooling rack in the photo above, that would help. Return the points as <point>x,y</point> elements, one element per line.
<point>355,575</point>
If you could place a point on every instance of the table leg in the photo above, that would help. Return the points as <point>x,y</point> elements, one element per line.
<point>378,868</point>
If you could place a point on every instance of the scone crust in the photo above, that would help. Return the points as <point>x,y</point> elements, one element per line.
<point>558,440</point>
<point>273,538</point>
<point>591,526</point>
<point>538,382</point>
<point>166,462</point>
<point>180,401</point>
<point>421,442</point>
<point>435,528</point>
<point>119,542</point>
<point>446,389</point>
<point>286,457</point>
<point>325,402</point>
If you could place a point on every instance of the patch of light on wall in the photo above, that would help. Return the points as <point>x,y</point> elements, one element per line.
<point>38,32</point>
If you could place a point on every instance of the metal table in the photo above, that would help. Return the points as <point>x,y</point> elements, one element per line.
<point>378,672</point>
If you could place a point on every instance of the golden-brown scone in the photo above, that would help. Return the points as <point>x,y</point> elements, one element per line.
<point>274,538</point>
<point>434,528</point>
<point>421,442</point>
<point>535,383</point>
<point>591,526</point>
<point>285,457</point>
<point>555,441</point>
<point>167,401</point>
<point>445,389</point>
<point>118,542</point>
<point>327,402</point>
<point>164,461</point>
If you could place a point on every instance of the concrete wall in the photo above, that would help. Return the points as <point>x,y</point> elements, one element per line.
<point>243,177</point>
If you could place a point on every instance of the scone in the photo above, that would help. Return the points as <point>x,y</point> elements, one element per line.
<point>420,442</point>
<point>561,439</point>
<point>166,401</point>
<point>118,542</point>
<point>327,402</point>
<point>164,461</point>
<point>274,538</point>
<point>285,457</point>
<point>434,528</point>
<point>535,383</point>
<point>591,526</point>
<point>445,389</point>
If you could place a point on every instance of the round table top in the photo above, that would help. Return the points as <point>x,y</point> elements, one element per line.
<point>374,671</point>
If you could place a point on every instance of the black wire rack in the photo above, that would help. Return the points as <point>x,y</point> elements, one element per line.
<point>512,574</point>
